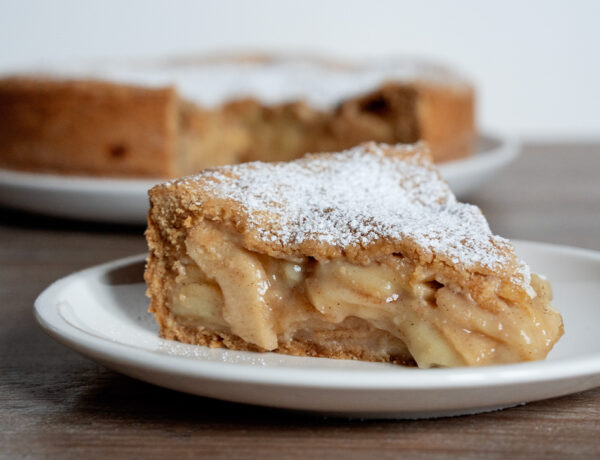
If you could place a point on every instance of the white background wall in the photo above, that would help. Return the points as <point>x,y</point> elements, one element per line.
<point>537,63</point>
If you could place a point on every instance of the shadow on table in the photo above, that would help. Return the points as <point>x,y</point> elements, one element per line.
<point>127,401</point>
<point>22,219</point>
<point>154,405</point>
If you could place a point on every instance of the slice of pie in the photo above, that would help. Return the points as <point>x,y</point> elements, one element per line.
<point>364,254</point>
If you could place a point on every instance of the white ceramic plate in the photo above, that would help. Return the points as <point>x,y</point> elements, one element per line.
<point>125,200</point>
<point>101,313</point>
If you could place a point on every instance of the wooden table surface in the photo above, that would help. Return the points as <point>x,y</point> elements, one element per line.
<point>55,403</point>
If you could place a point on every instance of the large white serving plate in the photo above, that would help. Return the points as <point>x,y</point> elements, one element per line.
<point>102,313</point>
<point>125,201</point>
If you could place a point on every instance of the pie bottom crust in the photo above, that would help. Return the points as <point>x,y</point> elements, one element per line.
<point>323,348</point>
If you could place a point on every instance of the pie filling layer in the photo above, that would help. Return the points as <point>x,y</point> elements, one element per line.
<point>389,310</point>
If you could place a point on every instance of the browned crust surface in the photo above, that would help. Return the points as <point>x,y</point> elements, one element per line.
<point>87,127</point>
<point>447,121</point>
<point>111,129</point>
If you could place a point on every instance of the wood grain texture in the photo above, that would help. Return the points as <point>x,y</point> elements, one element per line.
<point>54,403</point>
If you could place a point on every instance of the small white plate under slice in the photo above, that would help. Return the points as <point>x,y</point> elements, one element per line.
<point>102,313</point>
<point>125,201</point>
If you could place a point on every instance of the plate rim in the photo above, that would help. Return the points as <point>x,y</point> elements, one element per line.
<point>68,182</point>
<point>508,148</point>
<point>46,312</point>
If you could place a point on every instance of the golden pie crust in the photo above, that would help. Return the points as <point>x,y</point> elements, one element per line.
<point>364,254</point>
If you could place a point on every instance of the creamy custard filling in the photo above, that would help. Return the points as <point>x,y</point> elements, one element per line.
<point>269,302</point>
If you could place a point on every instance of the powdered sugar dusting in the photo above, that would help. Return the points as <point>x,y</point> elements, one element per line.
<point>356,198</point>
